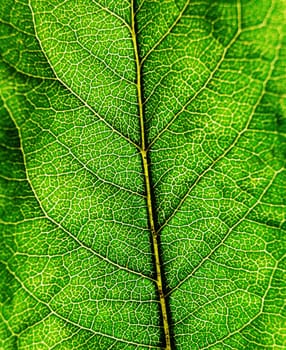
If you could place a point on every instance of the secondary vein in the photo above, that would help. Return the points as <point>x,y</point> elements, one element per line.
<point>150,209</point>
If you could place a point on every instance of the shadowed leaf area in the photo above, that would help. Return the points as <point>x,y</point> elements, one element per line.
<point>142,174</point>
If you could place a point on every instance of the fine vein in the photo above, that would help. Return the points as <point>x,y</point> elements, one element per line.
<point>150,208</point>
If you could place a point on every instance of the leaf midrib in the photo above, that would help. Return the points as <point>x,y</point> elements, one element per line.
<point>155,239</point>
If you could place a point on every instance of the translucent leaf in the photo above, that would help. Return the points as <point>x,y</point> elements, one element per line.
<point>142,201</point>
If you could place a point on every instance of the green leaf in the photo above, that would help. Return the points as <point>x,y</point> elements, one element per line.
<point>142,174</point>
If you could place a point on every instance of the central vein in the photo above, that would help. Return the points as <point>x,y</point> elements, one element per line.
<point>144,156</point>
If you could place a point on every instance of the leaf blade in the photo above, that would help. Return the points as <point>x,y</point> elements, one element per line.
<point>220,163</point>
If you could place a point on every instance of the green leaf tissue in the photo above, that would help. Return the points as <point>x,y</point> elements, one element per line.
<point>142,174</point>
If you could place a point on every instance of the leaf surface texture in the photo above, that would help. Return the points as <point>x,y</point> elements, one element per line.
<point>77,258</point>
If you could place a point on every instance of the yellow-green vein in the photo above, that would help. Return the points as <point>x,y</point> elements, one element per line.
<point>146,170</point>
